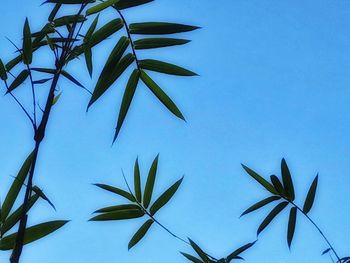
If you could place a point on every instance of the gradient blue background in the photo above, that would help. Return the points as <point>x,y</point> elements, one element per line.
<point>274,83</point>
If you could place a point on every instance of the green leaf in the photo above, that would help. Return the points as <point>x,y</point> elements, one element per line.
<point>137,181</point>
<point>199,251</point>
<point>69,2</point>
<point>3,74</point>
<point>54,12</point>
<point>260,180</point>
<point>239,251</point>
<point>56,98</point>
<point>165,197</point>
<point>27,44</point>
<point>147,43</point>
<point>291,225</point>
<point>16,215</point>
<point>88,59</point>
<point>12,63</point>
<point>123,4</point>
<point>287,180</point>
<point>163,67</point>
<point>67,20</point>
<point>100,7</point>
<point>16,187</point>
<point>140,233</point>
<point>277,184</point>
<point>72,79</point>
<point>147,194</point>
<point>161,95</point>
<point>113,68</point>
<point>159,28</point>
<point>127,98</point>
<point>191,258</point>
<point>117,208</point>
<point>41,194</point>
<point>106,31</point>
<point>44,70</point>
<point>119,215</point>
<point>18,80</point>
<point>91,30</point>
<point>261,204</point>
<point>32,234</point>
<point>271,216</point>
<point>310,198</point>
<point>117,191</point>
<point>87,47</point>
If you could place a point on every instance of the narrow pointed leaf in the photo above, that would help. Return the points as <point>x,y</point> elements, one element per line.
<point>16,187</point>
<point>3,74</point>
<point>261,204</point>
<point>165,197</point>
<point>119,215</point>
<point>118,208</point>
<point>191,258</point>
<point>19,80</point>
<point>100,7</point>
<point>137,181</point>
<point>123,4</point>
<point>140,233</point>
<point>45,70</point>
<point>239,251</point>
<point>71,78</point>
<point>161,95</point>
<point>41,194</point>
<point>147,195</point>
<point>277,184</point>
<point>326,251</point>
<point>56,98</point>
<point>271,216</point>
<point>260,180</point>
<point>116,191</point>
<point>199,251</point>
<point>67,20</point>
<point>88,60</point>
<point>163,67</point>
<point>91,30</point>
<point>291,225</point>
<point>148,43</point>
<point>41,81</point>
<point>106,31</point>
<point>310,198</point>
<point>27,44</point>
<point>54,12</point>
<point>159,28</point>
<point>32,234</point>
<point>287,180</point>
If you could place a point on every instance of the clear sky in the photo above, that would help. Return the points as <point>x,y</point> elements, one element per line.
<point>274,82</point>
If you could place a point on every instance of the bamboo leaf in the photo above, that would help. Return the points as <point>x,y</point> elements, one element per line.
<point>32,234</point>
<point>163,67</point>
<point>88,59</point>
<point>117,191</point>
<point>123,4</point>
<point>239,251</point>
<point>261,204</point>
<point>147,194</point>
<point>140,233</point>
<point>100,7</point>
<point>199,251</point>
<point>137,181</point>
<point>54,12</point>
<point>148,43</point>
<point>44,70</point>
<point>287,180</point>
<point>165,197</point>
<point>27,44</point>
<point>291,225</point>
<point>56,98</point>
<point>271,216</point>
<point>161,95</point>
<point>127,99</point>
<point>191,258</point>
<point>71,78</point>
<point>3,74</point>
<point>41,194</point>
<point>106,31</point>
<point>18,80</point>
<point>67,20</point>
<point>117,208</point>
<point>310,198</point>
<point>119,215</point>
<point>16,187</point>
<point>277,184</point>
<point>159,28</point>
<point>69,2</point>
<point>260,180</point>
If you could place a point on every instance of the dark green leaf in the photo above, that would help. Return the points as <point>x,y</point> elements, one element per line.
<point>326,251</point>
<point>56,98</point>
<point>32,234</point>
<point>163,67</point>
<point>119,215</point>
<point>127,98</point>
<point>36,189</point>
<point>165,197</point>
<point>87,47</point>
<point>18,80</point>
<point>159,28</point>
<point>67,20</point>
<point>27,44</point>
<point>161,95</point>
<point>261,204</point>
<point>69,2</point>
<point>117,208</point>
<point>147,195</point>
<point>88,59</point>
<point>277,184</point>
<point>260,180</point>
<point>54,12</point>
<point>271,216</point>
<point>12,63</point>
<point>148,43</point>
<point>291,225</point>
<point>140,233</point>
<point>44,70</point>
<point>16,187</point>
<point>71,78</point>
<point>123,4</point>
<point>191,258</point>
<point>3,74</point>
<point>41,81</point>
<point>116,191</point>
<point>137,181</point>
<point>199,251</point>
<point>100,7</point>
<point>310,198</point>
<point>106,31</point>
<point>240,250</point>
<point>287,180</point>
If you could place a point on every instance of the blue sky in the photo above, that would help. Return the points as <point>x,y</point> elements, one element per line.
<point>274,82</point>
